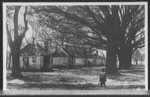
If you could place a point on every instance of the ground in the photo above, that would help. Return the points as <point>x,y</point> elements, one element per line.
<point>85,78</point>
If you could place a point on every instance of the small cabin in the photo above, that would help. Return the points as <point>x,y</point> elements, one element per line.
<point>31,57</point>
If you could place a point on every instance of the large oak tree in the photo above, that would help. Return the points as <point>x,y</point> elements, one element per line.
<point>108,25</point>
<point>15,39</point>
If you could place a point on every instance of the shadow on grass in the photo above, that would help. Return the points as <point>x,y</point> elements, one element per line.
<point>26,78</point>
<point>71,86</point>
<point>60,67</point>
<point>34,80</point>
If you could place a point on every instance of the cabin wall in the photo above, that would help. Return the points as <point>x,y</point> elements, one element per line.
<point>60,60</point>
<point>79,61</point>
<point>36,62</point>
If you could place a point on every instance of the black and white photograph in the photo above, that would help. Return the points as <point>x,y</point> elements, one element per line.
<point>75,48</point>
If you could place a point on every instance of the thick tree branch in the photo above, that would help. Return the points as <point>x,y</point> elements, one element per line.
<point>17,8</point>
<point>138,43</point>
<point>100,25</point>
<point>73,17</point>
<point>26,23</point>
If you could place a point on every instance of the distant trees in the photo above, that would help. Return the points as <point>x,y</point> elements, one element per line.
<point>117,29</point>
<point>138,56</point>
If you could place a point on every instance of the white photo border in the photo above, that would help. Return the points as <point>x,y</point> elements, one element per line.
<point>70,4</point>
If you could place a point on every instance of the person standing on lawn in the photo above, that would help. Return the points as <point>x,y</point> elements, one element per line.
<point>102,77</point>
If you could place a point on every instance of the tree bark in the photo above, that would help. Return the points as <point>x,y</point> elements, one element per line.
<point>111,66</point>
<point>9,62</point>
<point>71,61</point>
<point>16,72</point>
<point>48,63</point>
<point>136,62</point>
<point>51,63</point>
<point>125,56</point>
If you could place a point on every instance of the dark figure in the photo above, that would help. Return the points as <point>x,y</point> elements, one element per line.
<point>102,77</point>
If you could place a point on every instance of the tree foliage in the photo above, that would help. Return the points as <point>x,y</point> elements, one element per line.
<point>115,28</point>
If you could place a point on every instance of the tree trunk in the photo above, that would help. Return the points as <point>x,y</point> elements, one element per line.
<point>16,72</point>
<point>111,66</point>
<point>27,63</point>
<point>51,63</point>
<point>136,62</point>
<point>71,61</point>
<point>86,61</point>
<point>9,63</point>
<point>16,44</point>
<point>125,56</point>
<point>47,63</point>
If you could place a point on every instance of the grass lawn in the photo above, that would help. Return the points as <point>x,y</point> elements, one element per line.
<point>85,78</point>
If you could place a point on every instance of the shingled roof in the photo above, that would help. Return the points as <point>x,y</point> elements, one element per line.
<point>31,49</point>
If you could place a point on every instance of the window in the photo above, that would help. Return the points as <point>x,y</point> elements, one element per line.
<point>33,59</point>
